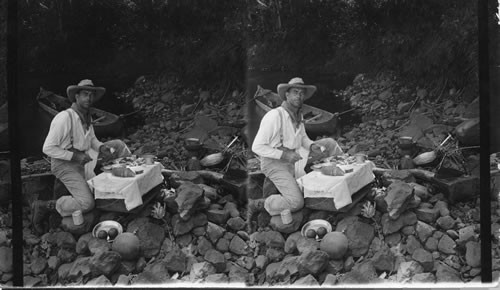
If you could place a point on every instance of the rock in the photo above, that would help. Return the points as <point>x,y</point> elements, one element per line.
<point>38,265</point>
<point>63,271</point>
<point>217,278</point>
<point>408,230</point>
<point>399,195</point>
<point>150,235</point>
<point>238,246</point>
<point>6,259</point>
<point>244,235</point>
<point>188,197</point>
<point>214,232</point>
<point>452,233</point>
<point>123,280</point>
<point>412,244</point>
<point>384,260</point>
<point>277,224</point>
<point>359,234</point>
<point>80,269</point>
<point>29,281</point>
<point>274,255</point>
<point>446,222</point>
<point>288,268</point>
<point>407,270</point>
<point>261,261</point>
<point>390,226</point>
<point>217,259</point>
<point>330,280</point>
<point>353,277</point>
<point>421,191</point>
<point>236,223</point>
<point>105,262</point>
<point>446,245</point>
<point>304,244</point>
<point>308,281</point>
<point>66,256</point>
<point>53,262</point>
<point>466,234</point>
<point>201,270</point>
<point>100,281</point>
<point>270,239</point>
<point>181,227</point>
<point>424,258</point>
<point>175,260</point>
<point>423,278</point>
<point>349,263</point>
<point>232,208</point>
<point>459,188</point>
<point>184,240</point>
<point>30,239</point>
<point>291,242</point>
<point>431,244</point>
<point>473,254</point>
<point>427,215</point>
<point>237,274</point>
<point>442,207</point>
<point>367,268</point>
<point>312,262</point>
<point>218,216</point>
<point>445,273</point>
<point>334,266</point>
<point>82,247</point>
<point>424,231</point>
<point>271,271</point>
<point>155,273</point>
<point>204,245</point>
<point>393,239</point>
<point>222,245</point>
<point>453,261</point>
<point>96,245</point>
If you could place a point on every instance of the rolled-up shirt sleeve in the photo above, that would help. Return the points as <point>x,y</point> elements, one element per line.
<point>268,136</point>
<point>58,137</point>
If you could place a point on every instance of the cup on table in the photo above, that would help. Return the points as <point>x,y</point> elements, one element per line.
<point>286,217</point>
<point>77,217</point>
<point>149,159</point>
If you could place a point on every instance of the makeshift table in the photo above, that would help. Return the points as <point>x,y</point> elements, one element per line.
<point>128,189</point>
<point>331,193</point>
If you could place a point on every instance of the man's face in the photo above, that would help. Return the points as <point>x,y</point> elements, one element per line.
<point>84,98</point>
<point>295,96</point>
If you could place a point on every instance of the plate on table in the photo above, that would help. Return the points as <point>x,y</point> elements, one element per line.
<point>315,225</point>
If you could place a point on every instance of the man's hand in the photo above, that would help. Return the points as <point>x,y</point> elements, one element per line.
<point>80,157</point>
<point>106,152</point>
<point>317,149</point>
<point>290,156</point>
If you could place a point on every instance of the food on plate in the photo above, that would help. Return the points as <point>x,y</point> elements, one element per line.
<point>310,233</point>
<point>112,233</point>
<point>321,232</point>
<point>102,234</point>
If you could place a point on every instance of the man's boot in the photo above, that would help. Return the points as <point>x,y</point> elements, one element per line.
<point>254,207</point>
<point>39,211</point>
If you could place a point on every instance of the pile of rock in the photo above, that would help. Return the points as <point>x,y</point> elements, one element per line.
<point>390,110</point>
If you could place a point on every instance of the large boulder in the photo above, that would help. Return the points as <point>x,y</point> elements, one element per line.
<point>189,195</point>
<point>399,195</point>
<point>335,244</point>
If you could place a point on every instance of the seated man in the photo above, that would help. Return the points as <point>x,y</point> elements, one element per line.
<point>284,147</point>
<point>74,150</point>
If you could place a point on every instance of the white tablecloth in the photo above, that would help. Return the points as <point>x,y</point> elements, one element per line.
<point>340,188</point>
<point>131,189</point>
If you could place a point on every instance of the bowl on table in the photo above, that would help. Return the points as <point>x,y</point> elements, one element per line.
<point>315,225</point>
<point>106,226</point>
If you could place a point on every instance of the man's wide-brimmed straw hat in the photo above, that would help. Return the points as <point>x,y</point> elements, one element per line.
<point>296,83</point>
<point>85,85</point>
